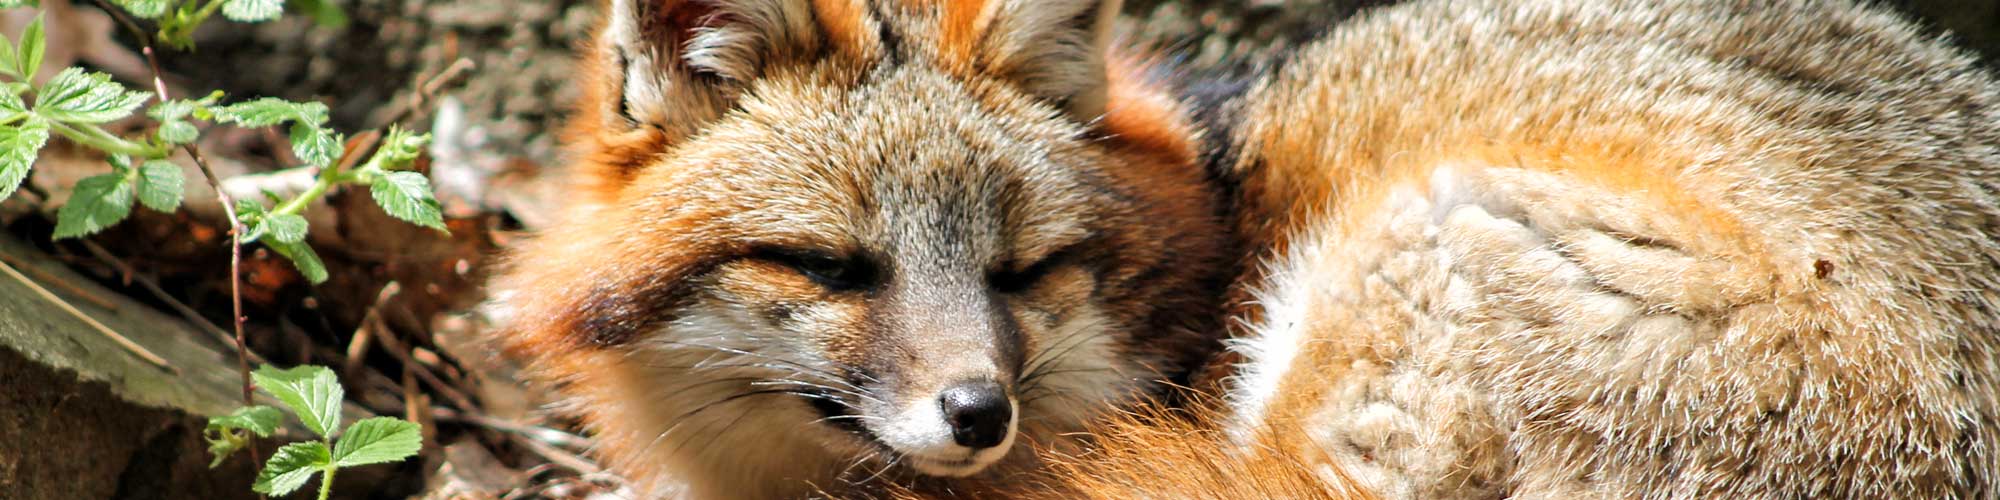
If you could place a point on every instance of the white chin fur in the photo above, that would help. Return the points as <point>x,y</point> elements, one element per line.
<point>922,437</point>
<point>978,461</point>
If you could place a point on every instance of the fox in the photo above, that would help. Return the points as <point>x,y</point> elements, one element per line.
<point>1447,249</point>
<point>1597,249</point>
<point>815,244</point>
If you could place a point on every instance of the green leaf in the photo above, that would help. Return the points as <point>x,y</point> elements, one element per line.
<point>144,9</point>
<point>160,185</point>
<point>312,392</point>
<point>315,145</point>
<point>225,434</point>
<point>398,149</point>
<point>172,115</point>
<point>252,11</point>
<point>8,4</point>
<point>285,228</point>
<point>176,109</point>
<point>77,96</point>
<point>407,196</point>
<point>303,258</point>
<point>377,440</point>
<point>271,111</point>
<point>222,444</point>
<point>29,53</point>
<point>11,106</point>
<point>178,132</point>
<point>260,420</point>
<point>18,146</point>
<point>96,203</point>
<point>10,57</point>
<point>291,466</point>
<point>249,213</point>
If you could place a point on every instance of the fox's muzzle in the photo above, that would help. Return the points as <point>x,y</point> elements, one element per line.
<point>950,383</point>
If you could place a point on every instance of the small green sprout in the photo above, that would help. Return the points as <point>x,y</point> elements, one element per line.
<point>314,395</point>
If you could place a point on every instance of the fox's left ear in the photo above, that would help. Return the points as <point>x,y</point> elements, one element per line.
<point>1054,49</point>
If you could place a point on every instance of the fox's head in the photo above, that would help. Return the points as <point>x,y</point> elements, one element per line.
<point>815,235</point>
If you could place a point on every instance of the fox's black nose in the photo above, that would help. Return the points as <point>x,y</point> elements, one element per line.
<point>978,413</point>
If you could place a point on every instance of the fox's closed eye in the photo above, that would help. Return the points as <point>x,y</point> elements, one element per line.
<point>1017,280</point>
<point>833,272</point>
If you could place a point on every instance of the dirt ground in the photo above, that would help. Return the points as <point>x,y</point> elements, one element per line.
<point>491,80</point>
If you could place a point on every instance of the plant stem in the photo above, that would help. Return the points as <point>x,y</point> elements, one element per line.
<point>97,138</point>
<point>228,210</point>
<point>326,479</point>
<point>321,184</point>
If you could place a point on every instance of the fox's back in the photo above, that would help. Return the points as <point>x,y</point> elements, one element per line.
<point>1624,249</point>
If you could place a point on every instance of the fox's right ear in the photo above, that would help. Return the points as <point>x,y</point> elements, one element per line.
<point>678,63</point>
<point>664,69</point>
<point>675,63</point>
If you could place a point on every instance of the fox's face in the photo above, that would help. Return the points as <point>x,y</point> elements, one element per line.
<point>822,233</point>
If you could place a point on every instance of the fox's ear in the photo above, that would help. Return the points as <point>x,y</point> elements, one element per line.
<point>677,64</point>
<point>1050,48</point>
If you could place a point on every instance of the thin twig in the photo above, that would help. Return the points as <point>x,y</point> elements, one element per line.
<point>429,89</point>
<point>551,436</point>
<point>371,323</point>
<point>65,285</point>
<point>153,288</point>
<point>128,344</point>
<point>228,210</point>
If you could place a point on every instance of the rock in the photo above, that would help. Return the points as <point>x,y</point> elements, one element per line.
<point>81,417</point>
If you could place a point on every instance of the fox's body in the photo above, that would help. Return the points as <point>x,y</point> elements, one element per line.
<point>1536,249</point>
<point>1607,249</point>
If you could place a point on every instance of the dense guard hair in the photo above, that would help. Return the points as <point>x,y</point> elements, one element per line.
<point>1610,249</point>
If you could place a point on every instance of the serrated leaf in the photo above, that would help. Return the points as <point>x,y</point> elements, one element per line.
<point>291,467</point>
<point>377,440</point>
<point>119,163</point>
<point>223,444</point>
<point>251,11</point>
<point>315,145</point>
<point>160,185</point>
<point>407,196</point>
<point>398,149</point>
<point>95,203</point>
<point>11,106</point>
<point>171,110</point>
<point>144,9</point>
<point>28,57</point>
<point>225,434</point>
<point>303,258</point>
<point>78,96</point>
<point>271,111</point>
<point>312,392</point>
<point>172,115</point>
<point>285,228</point>
<point>10,58</point>
<point>18,147</point>
<point>178,132</point>
<point>260,420</point>
<point>248,213</point>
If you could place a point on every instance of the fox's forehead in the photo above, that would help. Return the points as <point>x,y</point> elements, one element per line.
<point>909,157</point>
